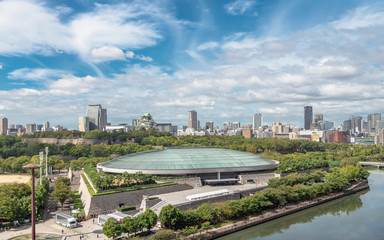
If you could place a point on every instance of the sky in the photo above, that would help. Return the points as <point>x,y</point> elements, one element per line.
<point>226,59</point>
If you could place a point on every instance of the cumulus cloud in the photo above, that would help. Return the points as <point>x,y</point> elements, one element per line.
<point>107,53</point>
<point>44,33</point>
<point>239,7</point>
<point>144,58</point>
<point>129,54</point>
<point>71,85</point>
<point>35,74</point>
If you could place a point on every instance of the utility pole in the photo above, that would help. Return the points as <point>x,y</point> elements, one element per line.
<point>33,166</point>
<point>46,162</point>
<point>41,169</point>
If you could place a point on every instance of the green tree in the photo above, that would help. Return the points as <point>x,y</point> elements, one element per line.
<point>149,219</point>
<point>112,228</point>
<point>170,217</point>
<point>61,193</point>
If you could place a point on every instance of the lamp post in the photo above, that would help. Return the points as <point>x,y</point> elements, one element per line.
<point>46,162</point>
<point>33,166</point>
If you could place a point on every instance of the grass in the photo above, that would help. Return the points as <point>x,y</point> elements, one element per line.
<point>76,201</point>
<point>90,189</point>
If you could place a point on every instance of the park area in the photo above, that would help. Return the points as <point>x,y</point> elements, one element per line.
<point>15,178</point>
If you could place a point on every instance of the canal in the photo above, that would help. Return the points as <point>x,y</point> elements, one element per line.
<point>358,216</point>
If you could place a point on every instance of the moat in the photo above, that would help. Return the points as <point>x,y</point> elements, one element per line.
<point>358,216</point>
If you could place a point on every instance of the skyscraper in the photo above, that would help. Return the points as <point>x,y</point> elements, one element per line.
<point>3,126</point>
<point>308,115</point>
<point>83,124</point>
<point>97,117</point>
<point>356,124</point>
<point>209,125</point>
<point>192,119</point>
<point>372,118</point>
<point>257,121</point>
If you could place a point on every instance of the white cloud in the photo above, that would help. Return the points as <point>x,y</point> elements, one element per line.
<point>239,7</point>
<point>44,33</point>
<point>36,74</point>
<point>144,58</point>
<point>129,54</point>
<point>207,45</point>
<point>276,110</point>
<point>107,53</point>
<point>361,17</point>
<point>70,85</point>
<point>1,66</point>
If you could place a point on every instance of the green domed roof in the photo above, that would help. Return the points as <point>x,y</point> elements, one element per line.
<point>188,160</point>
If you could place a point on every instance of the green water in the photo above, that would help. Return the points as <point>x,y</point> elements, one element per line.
<point>359,216</point>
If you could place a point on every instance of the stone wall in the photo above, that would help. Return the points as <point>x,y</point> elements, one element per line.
<point>110,202</point>
<point>258,179</point>
<point>61,142</point>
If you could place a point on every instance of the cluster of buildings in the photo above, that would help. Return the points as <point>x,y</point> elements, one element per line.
<point>316,128</point>
<point>18,129</point>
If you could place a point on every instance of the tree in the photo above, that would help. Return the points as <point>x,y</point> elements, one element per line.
<point>149,219</point>
<point>127,225</point>
<point>61,193</point>
<point>170,217</point>
<point>112,228</point>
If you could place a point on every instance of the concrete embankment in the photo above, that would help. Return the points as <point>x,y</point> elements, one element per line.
<point>276,213</point>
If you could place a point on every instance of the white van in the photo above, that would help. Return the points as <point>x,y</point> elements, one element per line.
<point>66,220</point>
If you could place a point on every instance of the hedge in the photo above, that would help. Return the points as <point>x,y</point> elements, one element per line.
<point>90,189</point>
<point>126,208</point>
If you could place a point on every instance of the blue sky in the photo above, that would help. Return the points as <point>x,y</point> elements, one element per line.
<point>224,59</point>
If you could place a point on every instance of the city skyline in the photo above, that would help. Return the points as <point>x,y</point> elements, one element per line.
<point>225,59</point>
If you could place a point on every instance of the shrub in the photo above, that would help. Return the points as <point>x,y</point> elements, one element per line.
<point>165,235</point>
<point>126,208</point>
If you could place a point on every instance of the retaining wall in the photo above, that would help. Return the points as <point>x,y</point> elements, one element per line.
<point>110,202</point>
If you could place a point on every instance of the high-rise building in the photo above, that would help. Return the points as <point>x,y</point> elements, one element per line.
<point>356,124</point>
<point>3,126</point>
<point>209,125</point>
<point>372,118</point>
<point>347,125</point>
<point>235,125</point>
<point>83,124</point>
<point>318,117</point>
<point>30,128</point>
<point>379,125</point>
<point>308,115</point>
<point>257,121</point>
<point>192,119</point>
<point>97,117</point>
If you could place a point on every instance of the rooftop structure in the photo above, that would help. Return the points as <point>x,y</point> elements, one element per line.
<point>189,161</point>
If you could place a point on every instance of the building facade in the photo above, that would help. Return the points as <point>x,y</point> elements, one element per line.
<point>192,119</point>
<point>308,115</point>
<point>257,121</point>
<point>3,126</point>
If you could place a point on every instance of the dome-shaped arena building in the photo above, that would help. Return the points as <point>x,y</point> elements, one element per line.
<point>212,165</point>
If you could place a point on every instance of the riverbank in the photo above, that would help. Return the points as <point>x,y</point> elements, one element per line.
<point>276,213</point>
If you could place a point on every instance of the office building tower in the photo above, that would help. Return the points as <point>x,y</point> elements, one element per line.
<point>372,119</point>
<point>257,121</point>
<point>192,119</point>
<point>39,127</point>
<point>46,125</point>
<point>235,125</point>
<point>30,128</point>
<point>3,126</point>
<point>308,115</point>
<point>379,125</point>
<point>97,117</point>
<point>356,124</point>
<point>318,117</point>
<point>209,125</point>
<point>347,125</point>
<point>328,125</point>
<point>83,124</point>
